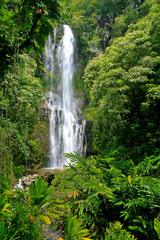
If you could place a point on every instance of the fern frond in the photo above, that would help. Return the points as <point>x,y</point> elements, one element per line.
<point>75,158</point>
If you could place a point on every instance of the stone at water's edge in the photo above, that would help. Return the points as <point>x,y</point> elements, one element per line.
<point>46,174</point>
<point>42,172</point>
<point>27,180</point>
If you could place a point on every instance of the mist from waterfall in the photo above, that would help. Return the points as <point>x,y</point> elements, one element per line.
<point>66,124</point>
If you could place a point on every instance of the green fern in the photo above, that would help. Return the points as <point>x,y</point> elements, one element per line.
<point>75,158</point>
<point>74,229</point>
<point>148,166</point>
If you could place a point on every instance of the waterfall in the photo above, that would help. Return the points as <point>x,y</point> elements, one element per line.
<point>66,124</point>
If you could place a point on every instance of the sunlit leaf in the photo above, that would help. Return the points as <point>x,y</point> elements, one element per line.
<point>45,219</point>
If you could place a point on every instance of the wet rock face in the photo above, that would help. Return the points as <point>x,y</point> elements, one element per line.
<point>44,113</point>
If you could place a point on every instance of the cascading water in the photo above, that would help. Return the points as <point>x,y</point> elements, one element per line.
<point>66,127</point>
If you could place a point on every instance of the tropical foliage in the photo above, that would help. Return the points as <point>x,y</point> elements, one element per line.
<point>122,86</point>
<point>115,193</point>
<point>74,230</point>
<point>24,214</point>
<point>104,192</point>
<point>21,46</point>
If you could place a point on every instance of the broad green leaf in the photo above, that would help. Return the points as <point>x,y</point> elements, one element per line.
<point>157,226</point>
<point>45,219</point>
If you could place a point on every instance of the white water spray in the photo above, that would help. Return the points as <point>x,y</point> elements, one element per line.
<point>66,128</point>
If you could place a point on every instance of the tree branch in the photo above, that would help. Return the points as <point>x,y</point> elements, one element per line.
<point>31,32</point>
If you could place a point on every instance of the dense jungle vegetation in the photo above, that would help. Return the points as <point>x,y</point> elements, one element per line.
<point>115,192</point>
